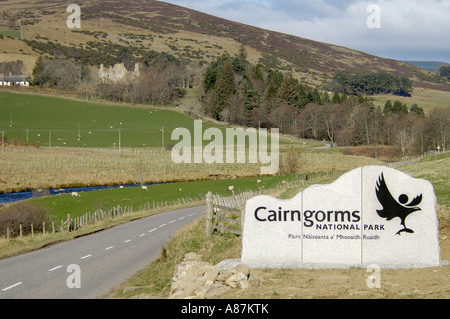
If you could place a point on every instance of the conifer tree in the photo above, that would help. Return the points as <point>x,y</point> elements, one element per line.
<point>271,92</point>
<point>250,95</point>
<point>388,108</point>
<point>224,87</point>
<point>38,66</point>
<point>415,109</point>
<point>336,99</point>
<point>288,91</point>
<point>399,107</point>
<point>316,96</point>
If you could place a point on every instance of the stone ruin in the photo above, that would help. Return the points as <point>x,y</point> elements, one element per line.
<point>117,73</point>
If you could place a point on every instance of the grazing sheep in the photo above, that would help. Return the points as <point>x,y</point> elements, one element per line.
<point>75,194</point>
<point>231,188</point>
<point>258,181</point>
<point>144,188</point>
<point>121,186</point>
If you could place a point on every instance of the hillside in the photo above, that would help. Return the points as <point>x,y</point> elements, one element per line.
<point>432,66</point>
<point>111,27</point>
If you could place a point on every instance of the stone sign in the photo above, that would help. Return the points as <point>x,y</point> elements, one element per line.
<point>370,215</point>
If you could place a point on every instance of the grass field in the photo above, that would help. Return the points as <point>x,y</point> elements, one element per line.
<point>63,204</point>
<point>63,122</point>
<point>425,98</point>
<point>30,168</point>
<point>8,32</point>
<point>43,120</point>
<point>435,168</point>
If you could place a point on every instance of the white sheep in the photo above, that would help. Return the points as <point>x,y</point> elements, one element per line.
<point>75,194</point>
<point>258,181</point>
<point>144,188</point>
<point>121,186</point>
<point>231,188</point>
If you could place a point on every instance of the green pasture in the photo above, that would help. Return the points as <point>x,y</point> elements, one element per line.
<point>61,205</point>
<point>426,98</point>
<point>58,122</point>
<point>8,32</point>
<point>436,169</point>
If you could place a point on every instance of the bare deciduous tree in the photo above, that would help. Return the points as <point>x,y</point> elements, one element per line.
<point>311,121</point>
<point>439,121</point>
<point>60,74</point>
<point>404,134</point>
<point>284,117</point>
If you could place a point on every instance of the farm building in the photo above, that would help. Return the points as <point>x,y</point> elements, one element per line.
<point>15,80</point>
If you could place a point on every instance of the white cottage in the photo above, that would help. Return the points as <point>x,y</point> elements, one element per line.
<point>15,80</point>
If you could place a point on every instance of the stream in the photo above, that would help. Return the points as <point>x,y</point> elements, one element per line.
<point>7,198</point>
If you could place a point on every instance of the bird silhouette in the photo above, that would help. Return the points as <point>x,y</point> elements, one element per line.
<point>393,208</point>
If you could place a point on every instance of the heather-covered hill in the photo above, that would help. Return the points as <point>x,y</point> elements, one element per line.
<point>108,27</point>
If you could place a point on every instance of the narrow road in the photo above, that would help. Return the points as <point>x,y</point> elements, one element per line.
<point>90,266</point>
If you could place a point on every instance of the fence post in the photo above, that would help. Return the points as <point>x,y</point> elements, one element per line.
<point>209,213</point>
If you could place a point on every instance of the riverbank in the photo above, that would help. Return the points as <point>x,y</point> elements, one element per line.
<point>8,198</point>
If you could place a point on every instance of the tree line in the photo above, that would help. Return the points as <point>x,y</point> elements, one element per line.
<point>238,92</point>
<point>355,123</point>
<point>444,71</point>
<point>12,67</point>
<point>371,83</point>
<point>162,78</point>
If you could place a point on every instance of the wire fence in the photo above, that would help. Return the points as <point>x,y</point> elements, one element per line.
<point>74,223</point>
<point>225,214</point>
<point>217,205</point>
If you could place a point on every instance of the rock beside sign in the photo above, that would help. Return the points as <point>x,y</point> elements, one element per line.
<point>197,279</point>
<point>370,215</point>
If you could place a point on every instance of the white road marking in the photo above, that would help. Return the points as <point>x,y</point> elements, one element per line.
<point>12,286</point>
<point>107,248</point>
<point>54,268</point>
